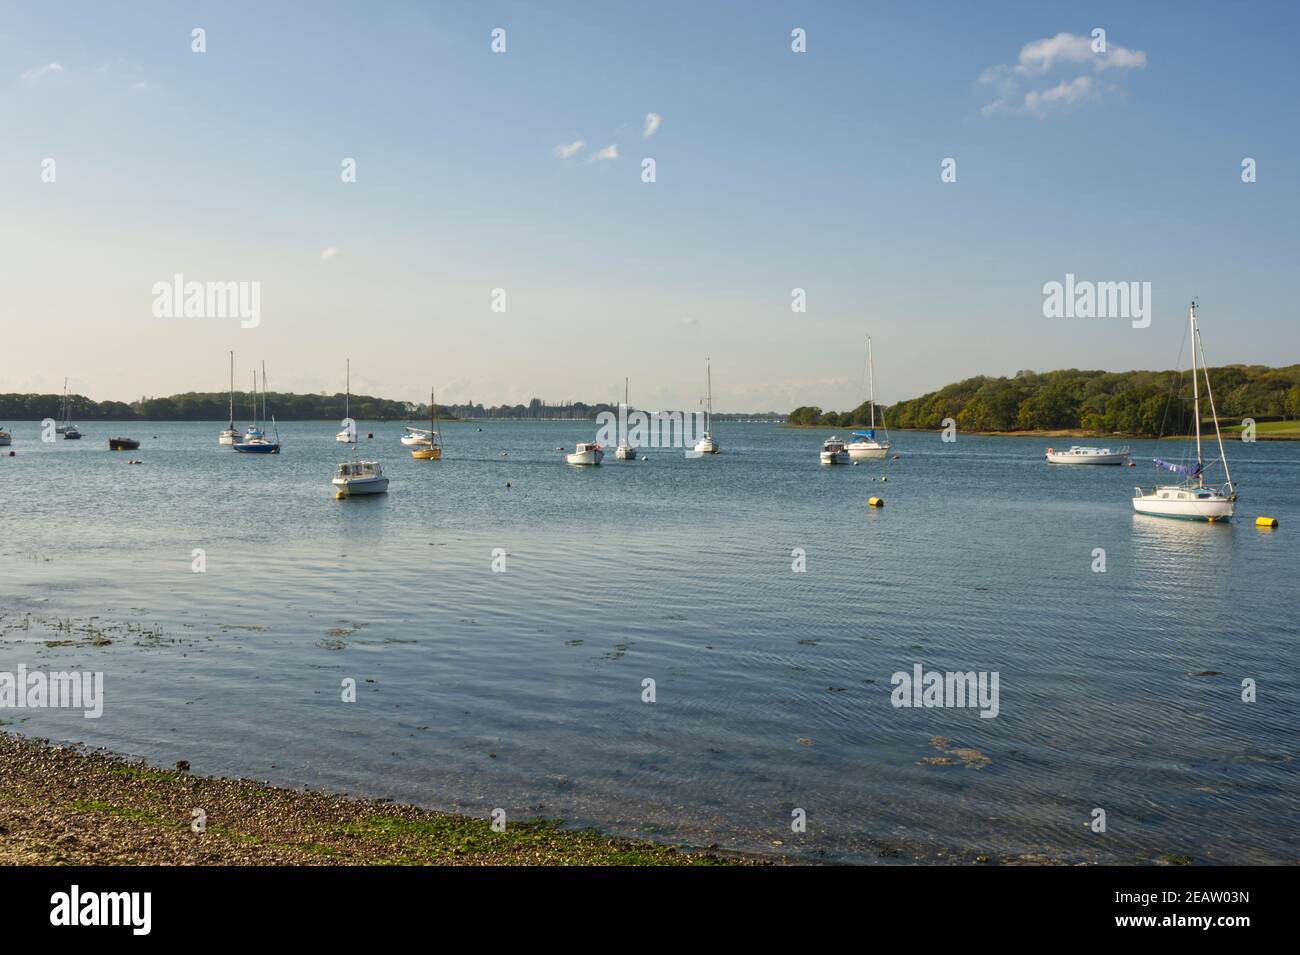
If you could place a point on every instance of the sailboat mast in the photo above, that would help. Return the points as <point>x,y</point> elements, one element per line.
<point>347,398</point>
<point>871,377</point>
<point>232,391</point>
<point>254,399</point>
<point>263,389</point>
<point>1196,390</point>
<point>708,391</point>
<point>1209,393</point>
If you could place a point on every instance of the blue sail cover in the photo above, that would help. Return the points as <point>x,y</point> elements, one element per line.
<point>865,434</point>
<point>1191,470</point>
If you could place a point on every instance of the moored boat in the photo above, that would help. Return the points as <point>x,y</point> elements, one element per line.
<point>1082,454</point>
<point>349,433</point>
<point>231,434</point>
<point>624,451</point>
<point>6,438</point>
<point>707,443</point>
<point>833,452</point>
<point>867,445</point>
<point>586,453</point>
<point>355,478</point>
<point>123,444</point>
<point>1192,499</point>
<point>428,449</point>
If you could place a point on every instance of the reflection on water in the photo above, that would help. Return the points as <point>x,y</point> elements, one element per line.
<point>522,688</point>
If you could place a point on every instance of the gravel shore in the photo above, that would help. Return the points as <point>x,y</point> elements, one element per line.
<point>62,805</point>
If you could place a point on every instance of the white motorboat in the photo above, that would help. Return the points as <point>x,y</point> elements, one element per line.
<point>586,453</point>
<point>355,478</point>
<point>6,438</point>
<point>867,445</point>
<point>707,443</point>
<point>231,434</point>
<point>624,451</point>
<point>418,437</point>
<point>349,433</point>
<point>833,452</point>
<point>1192,500</point>
<point>1079,454</point>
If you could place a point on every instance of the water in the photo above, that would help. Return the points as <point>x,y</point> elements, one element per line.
<point>523,689</point>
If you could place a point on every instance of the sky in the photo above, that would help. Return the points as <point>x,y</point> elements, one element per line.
<point>522,171</point>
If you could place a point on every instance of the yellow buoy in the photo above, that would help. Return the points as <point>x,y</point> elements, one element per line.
<point>1266,522</point>
<point>876,502</point>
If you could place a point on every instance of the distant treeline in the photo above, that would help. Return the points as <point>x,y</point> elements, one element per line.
<point>215,406</point>
<point>1132,402</point>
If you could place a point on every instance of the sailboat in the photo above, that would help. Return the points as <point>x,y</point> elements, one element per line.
<point>255,440</point>
<point>68,430</point>
<point>349,433</point>
<point>624,451</point>
<point>706,444</point>
<point>867,446</point>
<point>230,435</point>
<point>1192,499</point>
<point>428,449</point>
<point>63,409</point>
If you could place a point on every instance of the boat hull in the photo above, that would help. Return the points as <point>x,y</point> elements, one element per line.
<point>835,457</point>
<point>1212,509</point>
<point>1059,457</point>
<point>228,437</point>
<point>123,444</point>
<point>345,437</point>
<point>625,454</point>
<point>5,439</point>
<point>427,454</point>
<point>258,447</point>
<point>867,453</point>
<point>356,487</point>
<point>585,457</point>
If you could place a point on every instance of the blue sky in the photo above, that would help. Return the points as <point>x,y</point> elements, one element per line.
<point>775,170</point>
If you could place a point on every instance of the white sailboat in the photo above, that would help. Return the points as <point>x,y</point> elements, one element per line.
<point>624,451</point>
<point>867,446</point>
<point>349,433</point>
<point>69,430</point>
<point>230,435</point>
<point>1192,499</point>
<point>707,444</point>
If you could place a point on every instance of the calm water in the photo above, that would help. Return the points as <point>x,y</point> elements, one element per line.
<point>523,689</point>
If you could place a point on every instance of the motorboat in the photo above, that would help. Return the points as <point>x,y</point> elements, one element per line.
<point>1081,454</point>
<point>354,478</point>
<point>833,452</point>
<point>123,444</point>
<point>586,453</point>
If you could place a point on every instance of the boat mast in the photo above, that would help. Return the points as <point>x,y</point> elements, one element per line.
<point>1209,393</point>
<point>708,391</point>
<point>347,398</point>
<point>1196,393</point>
<point>871,376</point>
<point>232,391</point>
<point>263,389</point>
<point>254,399</point>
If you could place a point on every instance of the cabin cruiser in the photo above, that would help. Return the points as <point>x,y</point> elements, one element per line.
<point>586,453</point>
<point>354,478</point>
<point>1079,454</point>
<point>833,452</point>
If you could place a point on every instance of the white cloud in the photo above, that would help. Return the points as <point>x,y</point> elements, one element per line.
<point>652,122</point>
<point>609,152</point>
<point>329,253</point>
<point>1067,58</point>
<point>569,150</point>
<point>36,72</point>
